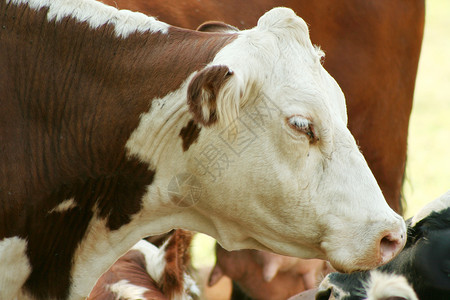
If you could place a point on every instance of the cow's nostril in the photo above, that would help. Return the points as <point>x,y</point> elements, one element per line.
<point>390,245</point>
<point>324,295</point>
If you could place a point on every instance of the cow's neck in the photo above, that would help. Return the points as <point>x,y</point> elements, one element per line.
<point>80,94</point>
<point>77,96</point>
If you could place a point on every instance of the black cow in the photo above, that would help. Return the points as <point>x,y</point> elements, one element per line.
<point>423,267</point>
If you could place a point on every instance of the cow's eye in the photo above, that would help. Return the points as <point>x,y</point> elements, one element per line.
<point>303,125</point>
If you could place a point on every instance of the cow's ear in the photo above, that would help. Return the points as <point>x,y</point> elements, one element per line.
<point>216,26</point>
<point>214,95</point>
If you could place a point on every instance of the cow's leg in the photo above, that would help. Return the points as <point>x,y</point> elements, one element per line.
<point>14,266</point>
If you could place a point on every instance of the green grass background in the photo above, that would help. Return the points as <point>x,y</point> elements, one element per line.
<point>428,165</point>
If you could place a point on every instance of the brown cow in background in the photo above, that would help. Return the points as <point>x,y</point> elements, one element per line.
<point>372,50</point>
<point>266,276</point>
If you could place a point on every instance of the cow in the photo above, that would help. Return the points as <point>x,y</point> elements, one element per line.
<point>148,272</point>
<point>369,44</point>
<point>420,271</point>
<point>264,275</point>
<point>372,48</point>
<point>380,286</point>
<point>116,126</point>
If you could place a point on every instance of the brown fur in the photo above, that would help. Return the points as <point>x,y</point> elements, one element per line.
<point>372,50</point>
<point>71,97</point>
<point>189,134</point>
<point>178,259</point>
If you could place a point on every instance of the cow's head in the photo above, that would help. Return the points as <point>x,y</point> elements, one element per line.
<point>270,163</point>
<point>422,268</point>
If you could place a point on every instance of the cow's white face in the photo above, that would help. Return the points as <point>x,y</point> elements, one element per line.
<point>274,166</point>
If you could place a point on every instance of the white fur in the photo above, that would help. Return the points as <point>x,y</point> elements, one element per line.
<point>337,291</point>
<point>97,252</point>
<point>101,248</point>
<point>63,206</point>
<point>436,205</point>
<point>278,179</point>
<point>190,289</point>
<point>155,264</point>
<point>14,267</point>
<point>231,97</point>
<point>97,14</point>
<point>245,84</point>
<point>154,258</point>
<point>384,285</point>
<point>126,290</point>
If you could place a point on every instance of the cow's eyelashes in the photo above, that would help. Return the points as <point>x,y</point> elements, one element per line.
<point>303,125</point>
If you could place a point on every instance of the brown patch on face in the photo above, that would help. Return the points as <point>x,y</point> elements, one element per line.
<point>189,134</point>
<point>203,91</point>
